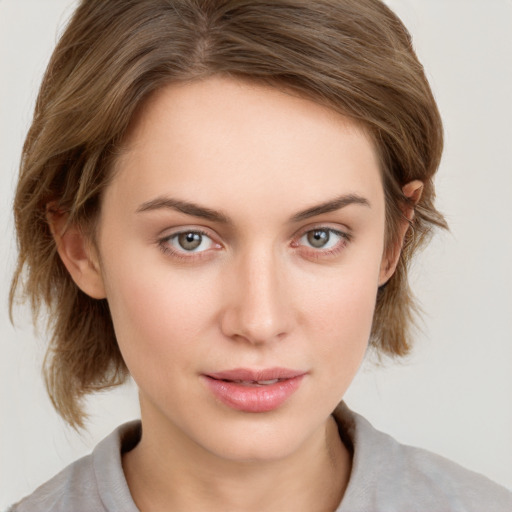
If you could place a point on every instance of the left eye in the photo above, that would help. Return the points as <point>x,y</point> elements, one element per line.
<point>190,241</point>
<point>322,238</point>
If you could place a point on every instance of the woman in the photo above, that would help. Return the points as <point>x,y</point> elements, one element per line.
<point>222,199</point>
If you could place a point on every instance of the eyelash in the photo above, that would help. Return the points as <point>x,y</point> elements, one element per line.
<point>167,249</point>
<point>313,253</point>
<point>318,253</point>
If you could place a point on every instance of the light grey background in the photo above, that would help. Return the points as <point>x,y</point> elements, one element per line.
<point>453,395</point>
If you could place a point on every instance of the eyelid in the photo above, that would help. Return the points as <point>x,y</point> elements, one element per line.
<point>345,235</point>
<point>344,231</point>
<point>163,242</point>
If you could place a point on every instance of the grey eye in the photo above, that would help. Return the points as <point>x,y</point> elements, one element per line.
<point>189,241</point>
<point>318,238</point>
<point>322,238</point>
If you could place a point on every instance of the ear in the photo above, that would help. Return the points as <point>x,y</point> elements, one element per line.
<point>412,191</point>
<point>77,253</point>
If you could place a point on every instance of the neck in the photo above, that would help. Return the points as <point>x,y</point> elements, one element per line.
<point>170,474</point>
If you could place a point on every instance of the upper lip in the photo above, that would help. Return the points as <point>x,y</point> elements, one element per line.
<point>246,374</point>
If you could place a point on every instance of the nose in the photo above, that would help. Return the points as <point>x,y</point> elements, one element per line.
<point>258,309</point>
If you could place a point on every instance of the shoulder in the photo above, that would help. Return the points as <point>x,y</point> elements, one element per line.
<point>387,475</point>
<point>95,482</point>
<point>65,491</point>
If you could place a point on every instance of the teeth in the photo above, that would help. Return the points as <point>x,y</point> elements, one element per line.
<point>257,382</point>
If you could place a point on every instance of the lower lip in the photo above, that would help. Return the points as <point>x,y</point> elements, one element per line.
<point>254,398</point>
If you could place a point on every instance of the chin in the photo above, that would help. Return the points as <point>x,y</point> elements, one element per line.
<point>258,438</point>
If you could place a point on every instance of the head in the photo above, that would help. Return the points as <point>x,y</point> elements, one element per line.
<point>350,58</point>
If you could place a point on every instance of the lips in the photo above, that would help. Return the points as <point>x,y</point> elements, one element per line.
<point>254,391</point>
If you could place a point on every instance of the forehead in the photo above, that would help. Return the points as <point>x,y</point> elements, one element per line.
<point>231,142</point>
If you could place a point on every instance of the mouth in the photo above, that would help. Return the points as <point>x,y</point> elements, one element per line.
<point>254,382</point>
<point>268,375</point>
<point>254,391</point>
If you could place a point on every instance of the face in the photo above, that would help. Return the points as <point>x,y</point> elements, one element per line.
<point>240,249</point>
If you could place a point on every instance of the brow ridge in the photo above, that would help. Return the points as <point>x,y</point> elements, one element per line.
<point>195,210</point>
<point>185,207</point>
<point>331,206</point>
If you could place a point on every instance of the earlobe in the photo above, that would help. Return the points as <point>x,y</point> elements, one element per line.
<point>77,254</point>
<point>412,191</point>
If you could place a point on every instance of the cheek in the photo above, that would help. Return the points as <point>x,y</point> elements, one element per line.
<point>345,312</point>
<point>339,314</point>
<point>158,316</point>
<point>345,294</point>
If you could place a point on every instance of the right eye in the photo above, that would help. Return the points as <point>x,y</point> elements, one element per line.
<point>187,242</point>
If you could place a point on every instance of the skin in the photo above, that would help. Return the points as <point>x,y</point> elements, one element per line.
<point>256,293</point>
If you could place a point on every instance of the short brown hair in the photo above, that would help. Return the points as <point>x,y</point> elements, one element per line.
<point>354,56</point>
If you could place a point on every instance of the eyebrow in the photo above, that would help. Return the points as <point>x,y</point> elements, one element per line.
<point>331,206</point>
<point>196,210</point>
<point>185,207</point>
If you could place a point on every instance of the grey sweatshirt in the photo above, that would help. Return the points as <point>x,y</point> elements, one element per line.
<point>386,477</point>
